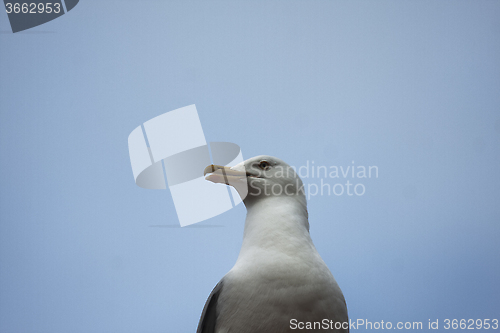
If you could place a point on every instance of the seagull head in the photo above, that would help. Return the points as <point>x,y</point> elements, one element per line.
<point>259,177</point>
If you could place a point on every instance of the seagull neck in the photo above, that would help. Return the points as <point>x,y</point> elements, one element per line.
<point>276,222</point>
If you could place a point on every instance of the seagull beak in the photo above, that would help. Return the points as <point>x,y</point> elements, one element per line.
<point>224,175</point>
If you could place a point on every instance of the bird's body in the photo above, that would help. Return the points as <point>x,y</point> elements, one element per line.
<point>279,280</point>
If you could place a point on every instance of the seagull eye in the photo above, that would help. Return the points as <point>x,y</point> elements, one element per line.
<point>264,165</point>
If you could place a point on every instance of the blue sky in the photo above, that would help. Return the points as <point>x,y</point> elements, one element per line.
<point>411,87</point>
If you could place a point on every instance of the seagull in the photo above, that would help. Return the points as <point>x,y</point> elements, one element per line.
<point>279,283</point>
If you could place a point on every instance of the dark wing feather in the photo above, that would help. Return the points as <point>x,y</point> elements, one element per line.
<point>209,315</point>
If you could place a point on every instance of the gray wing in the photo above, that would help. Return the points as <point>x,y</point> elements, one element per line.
<point>209,315</point>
